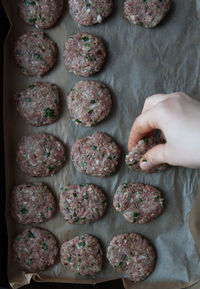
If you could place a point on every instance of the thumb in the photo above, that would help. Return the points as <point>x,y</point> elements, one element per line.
<point>155,156</point>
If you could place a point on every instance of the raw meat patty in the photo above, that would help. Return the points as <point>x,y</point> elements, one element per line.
<point>90,12</point>
<point>35,53</point>
<point>41,13</point>
<point>138,203</point>
<point>146,13</point>
<point>89,102</point>
<point>40,155</point>
<point>96,155</point>
<point>84,54</point>
<point>32,203</point>
<point>133,255</point>
<point>35,249</point>
<point>82,204</point>
<point>38,105</point>
<point>137,153</point>
<point>82,255</point>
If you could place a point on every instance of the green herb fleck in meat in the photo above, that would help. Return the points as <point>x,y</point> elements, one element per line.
<point>90,111</point>
<point>31,86</point>
<point>145,140</point>
<point>85,196</point>
<point>28,99</point>
<point>50,112</point>
<point>78,121</point>
<point>85,38</point>
<point>125,186</point>
<point>121,264</point>
<point>44,246</point>
<point>68,209</point>
<point>157,199</point>
<point>109,158</point>
<point>104,201</point>
<point>43,20</point>
<point>124,257</point>
<point>49,209</point>
<point>144,161</point>
<point>52,168</point>
<point>30,234</point>
<point>88,5</point>
<point>32,20</point>
<point>38,57</point>
<point>30,261</point>
<point>118,205</point>
<point>136,214</point>
<point>94,147</point>
<point>69,259</point>
<point>75,195</point>
<point>24,211</point>
<point>81,244</point>
<point>92,101</point>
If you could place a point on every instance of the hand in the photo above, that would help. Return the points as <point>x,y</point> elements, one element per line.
<point>177,115</point>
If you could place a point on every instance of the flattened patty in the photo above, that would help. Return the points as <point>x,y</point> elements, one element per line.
<point>38,105</point>
<point>41,13</point>
<point>82,204</point>
<point>96,155</point>
<point>35,53</point>
<point>90,12</point>
<point>136,154</point>
<point>82,255</point>
<point>40,155</point>
<point>138,203</point>
<point>133,255</point>
<point>84,54</point>
<point>146,13</point>
<point>32,203</point>
<point>35,249</point>
<point>89,102</point>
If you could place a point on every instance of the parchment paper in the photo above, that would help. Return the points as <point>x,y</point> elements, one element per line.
<point>140,62</point>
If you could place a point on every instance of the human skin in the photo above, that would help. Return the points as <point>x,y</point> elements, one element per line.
<point>177,115</point>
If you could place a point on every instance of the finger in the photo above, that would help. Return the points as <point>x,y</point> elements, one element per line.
<point>157,155</point>
<point>143,125</point>
<point>154,100</point>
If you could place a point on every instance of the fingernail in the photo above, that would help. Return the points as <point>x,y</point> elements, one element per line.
<point>145,165</point>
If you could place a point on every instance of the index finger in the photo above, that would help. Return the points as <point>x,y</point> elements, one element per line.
<point>143,125</point>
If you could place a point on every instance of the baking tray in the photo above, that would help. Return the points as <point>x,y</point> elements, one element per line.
<point>3,244</point>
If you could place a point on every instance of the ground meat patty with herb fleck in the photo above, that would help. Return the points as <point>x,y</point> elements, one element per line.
<point>133,255</point>
<point>136,154</point>
<point>82,204</point>
<point>84,54</point>
<point>82,255</point>
<point>146,13</point>
<point>41,13</point>
<point>89,102</point>
<point>38,105</point>
<point>32,203</point>
<point>35,53</point>
<point>96,155</point>
<point>90,12</point>
<point>138,203</point>
<point>35,249</point>
<point>40,155</point>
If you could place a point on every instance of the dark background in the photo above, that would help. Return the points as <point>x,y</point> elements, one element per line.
<point>4,27</point>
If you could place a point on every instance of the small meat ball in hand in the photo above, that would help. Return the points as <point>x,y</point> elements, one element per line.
<point>177,115</point>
